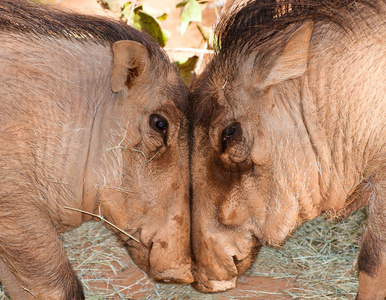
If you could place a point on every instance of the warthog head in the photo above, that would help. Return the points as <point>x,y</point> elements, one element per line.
<point>245,187</point>
<point>146,185</point>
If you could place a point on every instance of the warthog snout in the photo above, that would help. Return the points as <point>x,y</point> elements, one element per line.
<point>221,259</point>
<point>161,257</point>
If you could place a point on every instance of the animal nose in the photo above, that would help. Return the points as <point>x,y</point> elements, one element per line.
<point>214,286</point>
<point>170,257</point>
<point>232,213</point>
<point>218,275</point>
<point>220,257</point>
<point>218,271</point>
<point>170,264</point>
<point>180,275</point>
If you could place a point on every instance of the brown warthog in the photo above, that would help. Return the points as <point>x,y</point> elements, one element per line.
<point>289,122</point>
<point>92,117</point>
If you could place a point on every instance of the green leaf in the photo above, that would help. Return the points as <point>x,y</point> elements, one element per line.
<point>163,17</point>
<point>186,67</point>
<point>190,12</point>
<point>150,25</point>
<point>206,32</point>
<point>112,5</point>
<point>182,4</point>
<point>125,12</point>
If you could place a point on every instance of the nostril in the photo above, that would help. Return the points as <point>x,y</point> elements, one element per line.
<point>235,260</point>
<point>242,265</point>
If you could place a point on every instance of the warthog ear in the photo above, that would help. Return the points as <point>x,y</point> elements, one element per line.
<point>131,62</point>
<point>292,62</point>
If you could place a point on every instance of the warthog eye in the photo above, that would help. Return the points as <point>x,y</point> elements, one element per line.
<point>229,133</point>
<point>159,123</point>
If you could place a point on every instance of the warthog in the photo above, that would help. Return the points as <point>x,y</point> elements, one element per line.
<point>289,122</point>
<point>92,117</point>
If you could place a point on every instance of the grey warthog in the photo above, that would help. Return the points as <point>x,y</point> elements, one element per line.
<point>92,117</point>
<point>289,122</point>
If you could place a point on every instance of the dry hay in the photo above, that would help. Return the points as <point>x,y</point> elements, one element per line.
<point>319,262</point>
<point>320,259</point>
<point>3,296</point>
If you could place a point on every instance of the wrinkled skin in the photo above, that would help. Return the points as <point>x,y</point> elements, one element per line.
<point>93,127</point>
<point>149,198</point>
<point>278,141</point>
